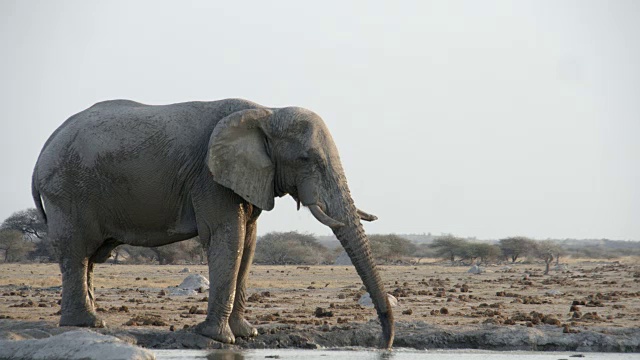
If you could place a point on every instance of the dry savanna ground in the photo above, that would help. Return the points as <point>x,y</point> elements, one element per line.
<point>587,293</point>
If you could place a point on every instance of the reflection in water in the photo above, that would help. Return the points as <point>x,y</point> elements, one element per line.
<point>386,355</point>
<point>225,355</point>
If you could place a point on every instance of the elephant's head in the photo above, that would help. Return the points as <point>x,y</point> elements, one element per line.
<point>263,153</point>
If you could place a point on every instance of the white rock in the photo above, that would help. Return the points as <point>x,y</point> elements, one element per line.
<point>75,344</point>
<point>475,269</point>
<point>392,300</point>
<point>181,292</point>
<point>194,282</point>
<point>365,300</point>
<point>554,292</point>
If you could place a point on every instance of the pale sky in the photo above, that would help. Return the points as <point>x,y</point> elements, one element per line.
<point>478,118</point>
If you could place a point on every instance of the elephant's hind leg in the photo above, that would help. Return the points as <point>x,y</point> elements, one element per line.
<point>76,306</point>
<point>99,256</point>
<point>239,325</point>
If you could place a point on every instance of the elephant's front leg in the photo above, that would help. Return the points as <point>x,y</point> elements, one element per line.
<point>237,322</point>
<point>225,250</point>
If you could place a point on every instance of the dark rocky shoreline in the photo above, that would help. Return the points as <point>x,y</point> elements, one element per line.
<point>415,335</point>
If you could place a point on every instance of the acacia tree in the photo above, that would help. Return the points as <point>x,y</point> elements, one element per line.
<point>27,222</point>
<point>290,248</point>
<point>14,246</point>
<point>516,246</point>
<point>449,246</point>
<point>390,247</point>
<point>484,251</point>
<point>33,229</point>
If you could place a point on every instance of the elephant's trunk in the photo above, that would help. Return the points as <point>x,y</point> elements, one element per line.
<point>355,242</point>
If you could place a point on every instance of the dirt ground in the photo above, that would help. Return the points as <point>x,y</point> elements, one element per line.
<point>583,296</point>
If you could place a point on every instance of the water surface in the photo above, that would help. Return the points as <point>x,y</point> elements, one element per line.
<point>398,354</point>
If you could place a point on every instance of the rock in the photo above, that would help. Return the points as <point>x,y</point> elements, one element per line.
<point>475,269</point>
<point>194,282</point>
<point>181,292</point>
<point>561,267</point>
<point>343,259</point>
<point>554,292</point>
<point>185,270</point>
<point>75,344</point>
<point>365,300</point>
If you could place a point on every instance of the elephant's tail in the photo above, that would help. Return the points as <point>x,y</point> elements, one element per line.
<point>35,192</point>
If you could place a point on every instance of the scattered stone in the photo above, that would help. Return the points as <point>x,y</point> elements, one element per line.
<point>365,300</point>
<point>146,320</point>
<point>475,269</point>
<point>320,312</point>
<point>194,282</point>
<point>185,270</point>
<point>554,292</point>
<point>181,292</point>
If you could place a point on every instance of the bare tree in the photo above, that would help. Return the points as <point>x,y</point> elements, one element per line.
<point>547,251</point>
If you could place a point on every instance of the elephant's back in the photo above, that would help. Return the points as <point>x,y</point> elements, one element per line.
<point>113,136</point>
<point>125,126</point>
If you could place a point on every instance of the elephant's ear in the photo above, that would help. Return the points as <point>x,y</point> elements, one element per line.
<point>238,159</point>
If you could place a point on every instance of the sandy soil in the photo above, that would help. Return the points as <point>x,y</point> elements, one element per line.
<point>588,295</point>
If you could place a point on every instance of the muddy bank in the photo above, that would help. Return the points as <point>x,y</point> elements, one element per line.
<point>416,335</point>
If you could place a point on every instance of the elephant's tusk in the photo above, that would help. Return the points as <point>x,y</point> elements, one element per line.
<point>366,216</point>
<point>324,218</point>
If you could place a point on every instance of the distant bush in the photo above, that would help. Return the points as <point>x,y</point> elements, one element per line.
<point>482,251</point>
<point>515,247</point>
<point>13,246</point>
<point>182,252</point>
<point>290,248</point>
<point>389,248</point>
<point>450,247</point>
<point>28,223</point>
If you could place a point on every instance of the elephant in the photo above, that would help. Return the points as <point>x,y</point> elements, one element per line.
<point>123,172</point>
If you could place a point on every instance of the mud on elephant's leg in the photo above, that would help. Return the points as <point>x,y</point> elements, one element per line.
<point>224,254</point>
<point>90,292</point>
<point>77,306</point>
<point>239,325</point>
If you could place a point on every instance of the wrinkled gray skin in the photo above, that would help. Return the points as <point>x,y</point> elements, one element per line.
<point>122,172</point>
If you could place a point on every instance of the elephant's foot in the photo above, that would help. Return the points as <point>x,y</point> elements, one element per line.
<point>219,333</point>
<point>82,319</point>
<point>241,327</point>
